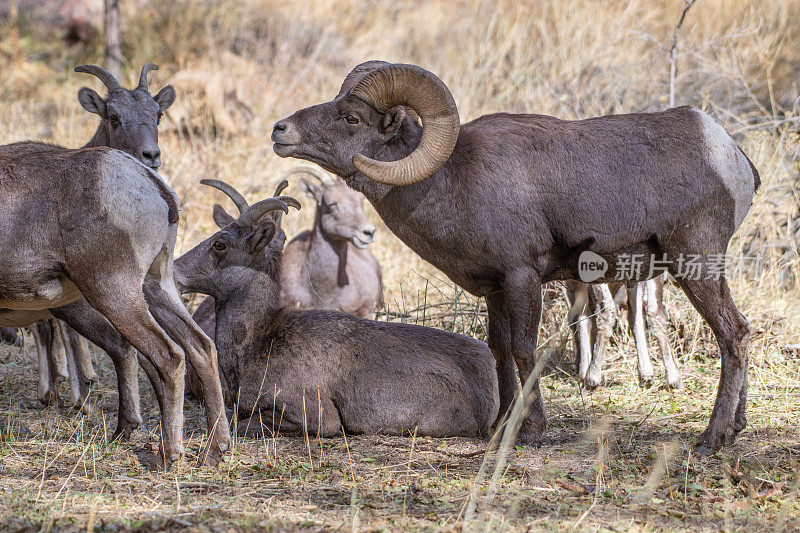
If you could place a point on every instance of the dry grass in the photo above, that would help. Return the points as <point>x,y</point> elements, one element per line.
<point>616,459</point>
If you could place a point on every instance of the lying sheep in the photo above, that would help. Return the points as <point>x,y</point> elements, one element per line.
<point>322,371</point>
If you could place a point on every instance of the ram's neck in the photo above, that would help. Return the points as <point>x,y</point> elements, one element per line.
<point>418,214</point>
<point>324,252</point>
<point>246,316</point>
<point>100,137</point>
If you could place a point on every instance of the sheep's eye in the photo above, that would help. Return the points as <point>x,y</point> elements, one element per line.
<point>219,246</point>
<point>351,119</point>
<point>158,119</point>
<point>115,121</point>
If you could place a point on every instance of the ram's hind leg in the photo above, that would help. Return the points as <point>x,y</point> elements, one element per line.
<point>712,299</point>
<point>167,308</point>
<point>657,314</point>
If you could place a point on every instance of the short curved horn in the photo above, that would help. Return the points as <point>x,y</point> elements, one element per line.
<point>105,76</point>
<point>288,200</point>
<point>316,172</point>
<point>412,86</point>
<point>281,186</point>
<point>143,76</point>
<point>233,194</point>
<point>255,212</point>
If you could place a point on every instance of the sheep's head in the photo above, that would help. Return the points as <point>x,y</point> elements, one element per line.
<point>340,210</point>
<point>226,260</point>
<point>129,117</point>
<point>347,134</point>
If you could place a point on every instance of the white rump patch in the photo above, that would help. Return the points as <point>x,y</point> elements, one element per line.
<point>730,163</point>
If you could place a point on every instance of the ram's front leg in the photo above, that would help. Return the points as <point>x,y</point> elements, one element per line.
<point>522,305</point>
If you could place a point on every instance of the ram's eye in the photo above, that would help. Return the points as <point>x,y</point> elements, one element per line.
<point>115,121</point>
<point>351,119</point>
<point>158,120</point>
<point>220,246</point>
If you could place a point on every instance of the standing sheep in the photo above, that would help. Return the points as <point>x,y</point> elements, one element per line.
<point>129,121</point>
<point>330,267</point>
<point>97,229</point>
<point>508,202</point>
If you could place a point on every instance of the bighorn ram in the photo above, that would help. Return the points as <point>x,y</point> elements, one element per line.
<point>129,122</point>
<point>592,317</point>
<point>97,230</point>
<point>507,202</point>
<point>324,371</point>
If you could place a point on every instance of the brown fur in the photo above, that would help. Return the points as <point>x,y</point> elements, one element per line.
<point>325,371</point>
<point>521,196</point>
<point>115,251</point>
<point>329,267</point>
<point>134,129</point>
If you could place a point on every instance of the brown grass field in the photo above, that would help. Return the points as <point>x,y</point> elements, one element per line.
<point>620,458</point>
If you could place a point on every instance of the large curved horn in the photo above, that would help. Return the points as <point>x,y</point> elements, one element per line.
<point>254,213</point>
<point>105,76</point>
<point>408,85</point>
<point>357,73</point>
<point>143,76</point>
<point>232,193</point>
<point>316,172</point>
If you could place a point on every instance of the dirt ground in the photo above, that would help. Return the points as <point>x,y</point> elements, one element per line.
<point>620,458</point>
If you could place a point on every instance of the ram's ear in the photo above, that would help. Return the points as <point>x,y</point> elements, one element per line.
<point>165,97</point>
<point>311,190</point>
<point>263,233</point>
<point>221,217</point>
<point>91,101</point>
<point>392,120</point>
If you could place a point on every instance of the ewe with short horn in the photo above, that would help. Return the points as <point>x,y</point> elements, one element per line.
<point>128,123</point>
<point>105,76</point>
<point>368,376</point>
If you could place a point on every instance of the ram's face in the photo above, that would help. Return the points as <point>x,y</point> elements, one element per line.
<point>330,134</point>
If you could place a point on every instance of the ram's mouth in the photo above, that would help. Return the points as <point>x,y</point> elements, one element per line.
<point>283,149</point>
<point>360,243</point>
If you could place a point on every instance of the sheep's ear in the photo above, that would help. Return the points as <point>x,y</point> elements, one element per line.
<point>392,120</point>
<point>91,101</point>
<point>263,233</point>
<point>165,97</point>
<point>311,190</point>
<point>221,217</point>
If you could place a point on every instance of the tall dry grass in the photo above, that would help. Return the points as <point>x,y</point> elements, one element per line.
<point>239,66</point>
